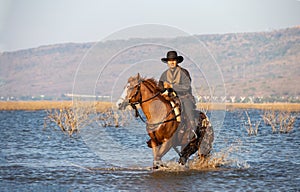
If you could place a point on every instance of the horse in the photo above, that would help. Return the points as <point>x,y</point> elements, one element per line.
<point>164,125</point>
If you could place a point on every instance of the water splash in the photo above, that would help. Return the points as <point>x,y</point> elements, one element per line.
<point>227,158</point>
<point>224,158</point>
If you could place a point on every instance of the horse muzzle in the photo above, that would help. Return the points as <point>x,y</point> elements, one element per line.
<point>122,104</point>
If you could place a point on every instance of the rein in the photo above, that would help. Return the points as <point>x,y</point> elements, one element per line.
<point>137,114</point>
<point>141,102</point>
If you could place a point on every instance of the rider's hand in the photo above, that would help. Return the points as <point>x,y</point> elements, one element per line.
<point>167,85</point>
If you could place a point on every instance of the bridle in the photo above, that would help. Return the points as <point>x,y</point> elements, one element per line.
<point>138,91</point>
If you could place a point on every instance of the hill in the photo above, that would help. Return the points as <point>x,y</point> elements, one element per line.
<point>252,64</point>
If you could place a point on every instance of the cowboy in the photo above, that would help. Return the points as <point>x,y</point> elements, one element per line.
<point>179,79</point>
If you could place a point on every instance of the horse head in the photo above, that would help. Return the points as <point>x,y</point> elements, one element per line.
<point>131,93</point>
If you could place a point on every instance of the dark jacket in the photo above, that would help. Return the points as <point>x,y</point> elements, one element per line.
<point>179,78</point>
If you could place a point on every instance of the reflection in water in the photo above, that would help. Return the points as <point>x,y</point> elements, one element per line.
<point>34,159</point>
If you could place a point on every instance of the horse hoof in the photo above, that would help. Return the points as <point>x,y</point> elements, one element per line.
<point>158,164</point>
<point>155,167</point>
<point>182,160</point>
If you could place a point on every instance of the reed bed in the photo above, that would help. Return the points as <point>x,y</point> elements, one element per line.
<point>69,115</point>
<point>70,119</point>
<point>280,122</point>
<point>251,127</point>
<point>82,113</point>
<point>102,106</point>
<point>48,105</point>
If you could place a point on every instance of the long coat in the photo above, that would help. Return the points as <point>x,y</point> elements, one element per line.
<point>181,83</point>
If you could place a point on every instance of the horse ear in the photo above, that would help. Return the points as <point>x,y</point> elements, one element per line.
<point>138,76</point>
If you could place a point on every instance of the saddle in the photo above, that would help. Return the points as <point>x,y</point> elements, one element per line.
<point>171,96</point>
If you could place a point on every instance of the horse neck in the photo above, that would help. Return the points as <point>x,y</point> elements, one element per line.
<point>150,90</point>
<point>147,92</point>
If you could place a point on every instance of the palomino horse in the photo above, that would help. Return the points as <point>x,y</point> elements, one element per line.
<point>163,121</point>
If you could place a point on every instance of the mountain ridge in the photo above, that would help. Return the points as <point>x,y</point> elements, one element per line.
<point>252,64</point>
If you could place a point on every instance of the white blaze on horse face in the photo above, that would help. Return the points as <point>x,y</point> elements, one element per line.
<point>123,96</point>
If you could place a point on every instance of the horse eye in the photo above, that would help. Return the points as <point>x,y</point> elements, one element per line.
<point>127,85</point>
<point>130,88</point>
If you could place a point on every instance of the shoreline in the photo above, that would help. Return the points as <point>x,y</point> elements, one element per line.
<point>292,107</point>
<point>102,106</point>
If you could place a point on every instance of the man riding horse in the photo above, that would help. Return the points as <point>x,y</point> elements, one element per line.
<point>179,79</point>
<point>163,124</point>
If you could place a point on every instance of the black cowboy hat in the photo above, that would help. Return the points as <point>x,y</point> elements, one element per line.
<point>172,55</point>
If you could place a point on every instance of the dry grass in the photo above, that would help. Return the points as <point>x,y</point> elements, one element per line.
<point>71,116</point>
<point>102,106</point>
<point>280,121</point>
<point>48,105</point>
<point>64,118</point>
<point>67,115</point>
<point>71,119</point>
<point>252,128</point>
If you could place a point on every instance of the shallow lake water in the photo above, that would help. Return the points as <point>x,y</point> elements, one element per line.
<point>117,159</point>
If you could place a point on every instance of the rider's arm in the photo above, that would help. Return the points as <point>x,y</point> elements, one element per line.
<point>185,82</point>
<point>162,79</point>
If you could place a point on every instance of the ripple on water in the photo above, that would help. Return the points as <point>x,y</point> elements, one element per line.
<point>34,159</point>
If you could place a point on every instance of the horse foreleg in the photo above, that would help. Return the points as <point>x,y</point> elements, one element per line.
<point>159,152</point>
<point>157,163</point>
<point>155,150</point>
<point>165,147</point>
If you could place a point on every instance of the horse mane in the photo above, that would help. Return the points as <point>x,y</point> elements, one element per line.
<point>153,83</point>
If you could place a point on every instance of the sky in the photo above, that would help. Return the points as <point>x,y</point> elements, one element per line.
<point>32,23</point>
